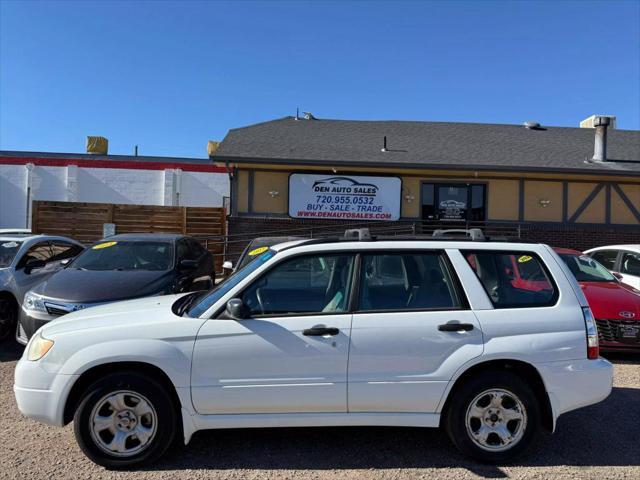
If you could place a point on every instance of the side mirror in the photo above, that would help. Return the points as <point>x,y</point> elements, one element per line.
<point>65,262</point>
<point>227,265</point>
<point>236,309</point>
<point>33,264</point>
<point>188,264</point>
<point>617,275</point>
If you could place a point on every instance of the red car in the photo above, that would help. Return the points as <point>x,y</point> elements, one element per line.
<point>615,305</point>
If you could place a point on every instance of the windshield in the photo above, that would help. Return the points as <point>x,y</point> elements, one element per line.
<point>8,250</point>
<point>126,255</point>
<point>202,303</point>
<point>586,269</point>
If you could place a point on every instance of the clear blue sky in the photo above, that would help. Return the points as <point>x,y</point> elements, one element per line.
<point>169,76</point>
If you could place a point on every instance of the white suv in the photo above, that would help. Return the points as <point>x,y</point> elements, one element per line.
<point>406,332</point>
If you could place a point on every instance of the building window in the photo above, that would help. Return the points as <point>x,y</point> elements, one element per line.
<point>453,202</point>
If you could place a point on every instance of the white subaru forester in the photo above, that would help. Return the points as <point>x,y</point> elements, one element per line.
<point>350,331</point>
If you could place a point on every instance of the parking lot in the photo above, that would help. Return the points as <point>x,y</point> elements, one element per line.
<point>600,441</point>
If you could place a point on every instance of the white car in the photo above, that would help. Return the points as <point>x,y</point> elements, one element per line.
<point>324,333</point>
<point>622,260</point>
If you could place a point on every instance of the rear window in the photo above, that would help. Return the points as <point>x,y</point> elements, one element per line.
<point>513,279</point>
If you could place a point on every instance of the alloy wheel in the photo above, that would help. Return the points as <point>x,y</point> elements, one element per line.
<point>123,423</point>
<point>496,420</point>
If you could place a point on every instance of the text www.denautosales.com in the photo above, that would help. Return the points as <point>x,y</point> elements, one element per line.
<point>357,215</point>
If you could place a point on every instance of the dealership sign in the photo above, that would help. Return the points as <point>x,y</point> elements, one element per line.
<point>344,197</point>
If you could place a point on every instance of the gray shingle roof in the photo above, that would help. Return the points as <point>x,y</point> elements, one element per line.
<point>426,144</point>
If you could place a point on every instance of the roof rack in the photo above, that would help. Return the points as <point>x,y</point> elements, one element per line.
<point>360,234</point>
<point>451,235</point>
<point>473,234</point>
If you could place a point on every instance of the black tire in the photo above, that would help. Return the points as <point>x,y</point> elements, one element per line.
<point>455,420</point>
<point>8,317</point>
<point>166,419</point>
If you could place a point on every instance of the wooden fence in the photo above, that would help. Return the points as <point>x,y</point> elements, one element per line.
<point>84,221</point>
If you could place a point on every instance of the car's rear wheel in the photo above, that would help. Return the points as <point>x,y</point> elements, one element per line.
<point>8,316</point>
<point>125,420</point>
<point>493,417</point>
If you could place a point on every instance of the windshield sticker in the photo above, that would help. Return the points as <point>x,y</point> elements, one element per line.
<point>524,258</point>
<point>257,251</point>
<point>10,244</point>
<point>103,245</point>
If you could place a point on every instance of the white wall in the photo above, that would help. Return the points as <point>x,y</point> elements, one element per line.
<point>13,198</point>
<point>106,185</point>
<point>119,185</point>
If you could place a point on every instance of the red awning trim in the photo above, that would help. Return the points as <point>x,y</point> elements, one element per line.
<point>124,164</point>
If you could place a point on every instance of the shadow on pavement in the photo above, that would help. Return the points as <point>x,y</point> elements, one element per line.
<point>619,357</point>
<point>605,434</point>
<point>10,351</point>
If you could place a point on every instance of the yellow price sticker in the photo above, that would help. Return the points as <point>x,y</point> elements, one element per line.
<point>258,251</point>
<point>524,258</point>
<point>103,245</point>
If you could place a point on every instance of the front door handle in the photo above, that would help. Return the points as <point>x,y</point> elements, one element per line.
<point>320,331</point>
<point>455,327</point>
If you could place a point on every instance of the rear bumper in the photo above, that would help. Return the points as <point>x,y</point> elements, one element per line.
<point>577,383</point>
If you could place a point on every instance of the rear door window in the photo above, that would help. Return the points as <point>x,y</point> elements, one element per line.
<point>606,258</point>
<point>513,279</point>
<point>630,263</point>
<point>63,250</point>
<point>406,281</point>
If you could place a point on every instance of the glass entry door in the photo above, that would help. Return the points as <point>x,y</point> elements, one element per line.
<point>453,202</point>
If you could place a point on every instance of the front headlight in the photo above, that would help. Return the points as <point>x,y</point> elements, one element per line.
<point>33,302</point>
<point>38,347</point>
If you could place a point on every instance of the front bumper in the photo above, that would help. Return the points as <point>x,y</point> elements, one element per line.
<point>29,322</point>
<point>39,394</point>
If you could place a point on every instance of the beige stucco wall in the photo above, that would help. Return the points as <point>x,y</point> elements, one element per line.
<point>620,213</point>
<point>537,191</point>
<point>410,197</point>
<point>243,191</point>
<point>502,195</point>
<point>503,198</point>
<point>595,211</point>
<point>270,192</point>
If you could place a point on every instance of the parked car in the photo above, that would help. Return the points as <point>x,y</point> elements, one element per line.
<point>615,305</point>
<point>255,248</point>
<point>622,260</point>
<point>118,268</point>
<point>308,335</point>
<point>25,261</point>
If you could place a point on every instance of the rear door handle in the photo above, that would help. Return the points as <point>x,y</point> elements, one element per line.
<point>455,327</point>
<point>320,331</point>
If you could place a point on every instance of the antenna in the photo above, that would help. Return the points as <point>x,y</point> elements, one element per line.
<point>135,151</point>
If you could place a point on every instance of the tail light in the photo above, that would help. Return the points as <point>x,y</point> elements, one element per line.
<point>593,349</point>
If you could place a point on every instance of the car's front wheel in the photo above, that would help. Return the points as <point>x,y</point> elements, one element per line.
<point>125,420</point>
<point>493,417</point>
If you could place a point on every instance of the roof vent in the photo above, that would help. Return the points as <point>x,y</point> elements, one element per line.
<point>591,121</point>
<point>531,125</point>
<point>601,124</point>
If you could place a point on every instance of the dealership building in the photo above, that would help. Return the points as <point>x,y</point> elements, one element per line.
<point>571,187</point>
